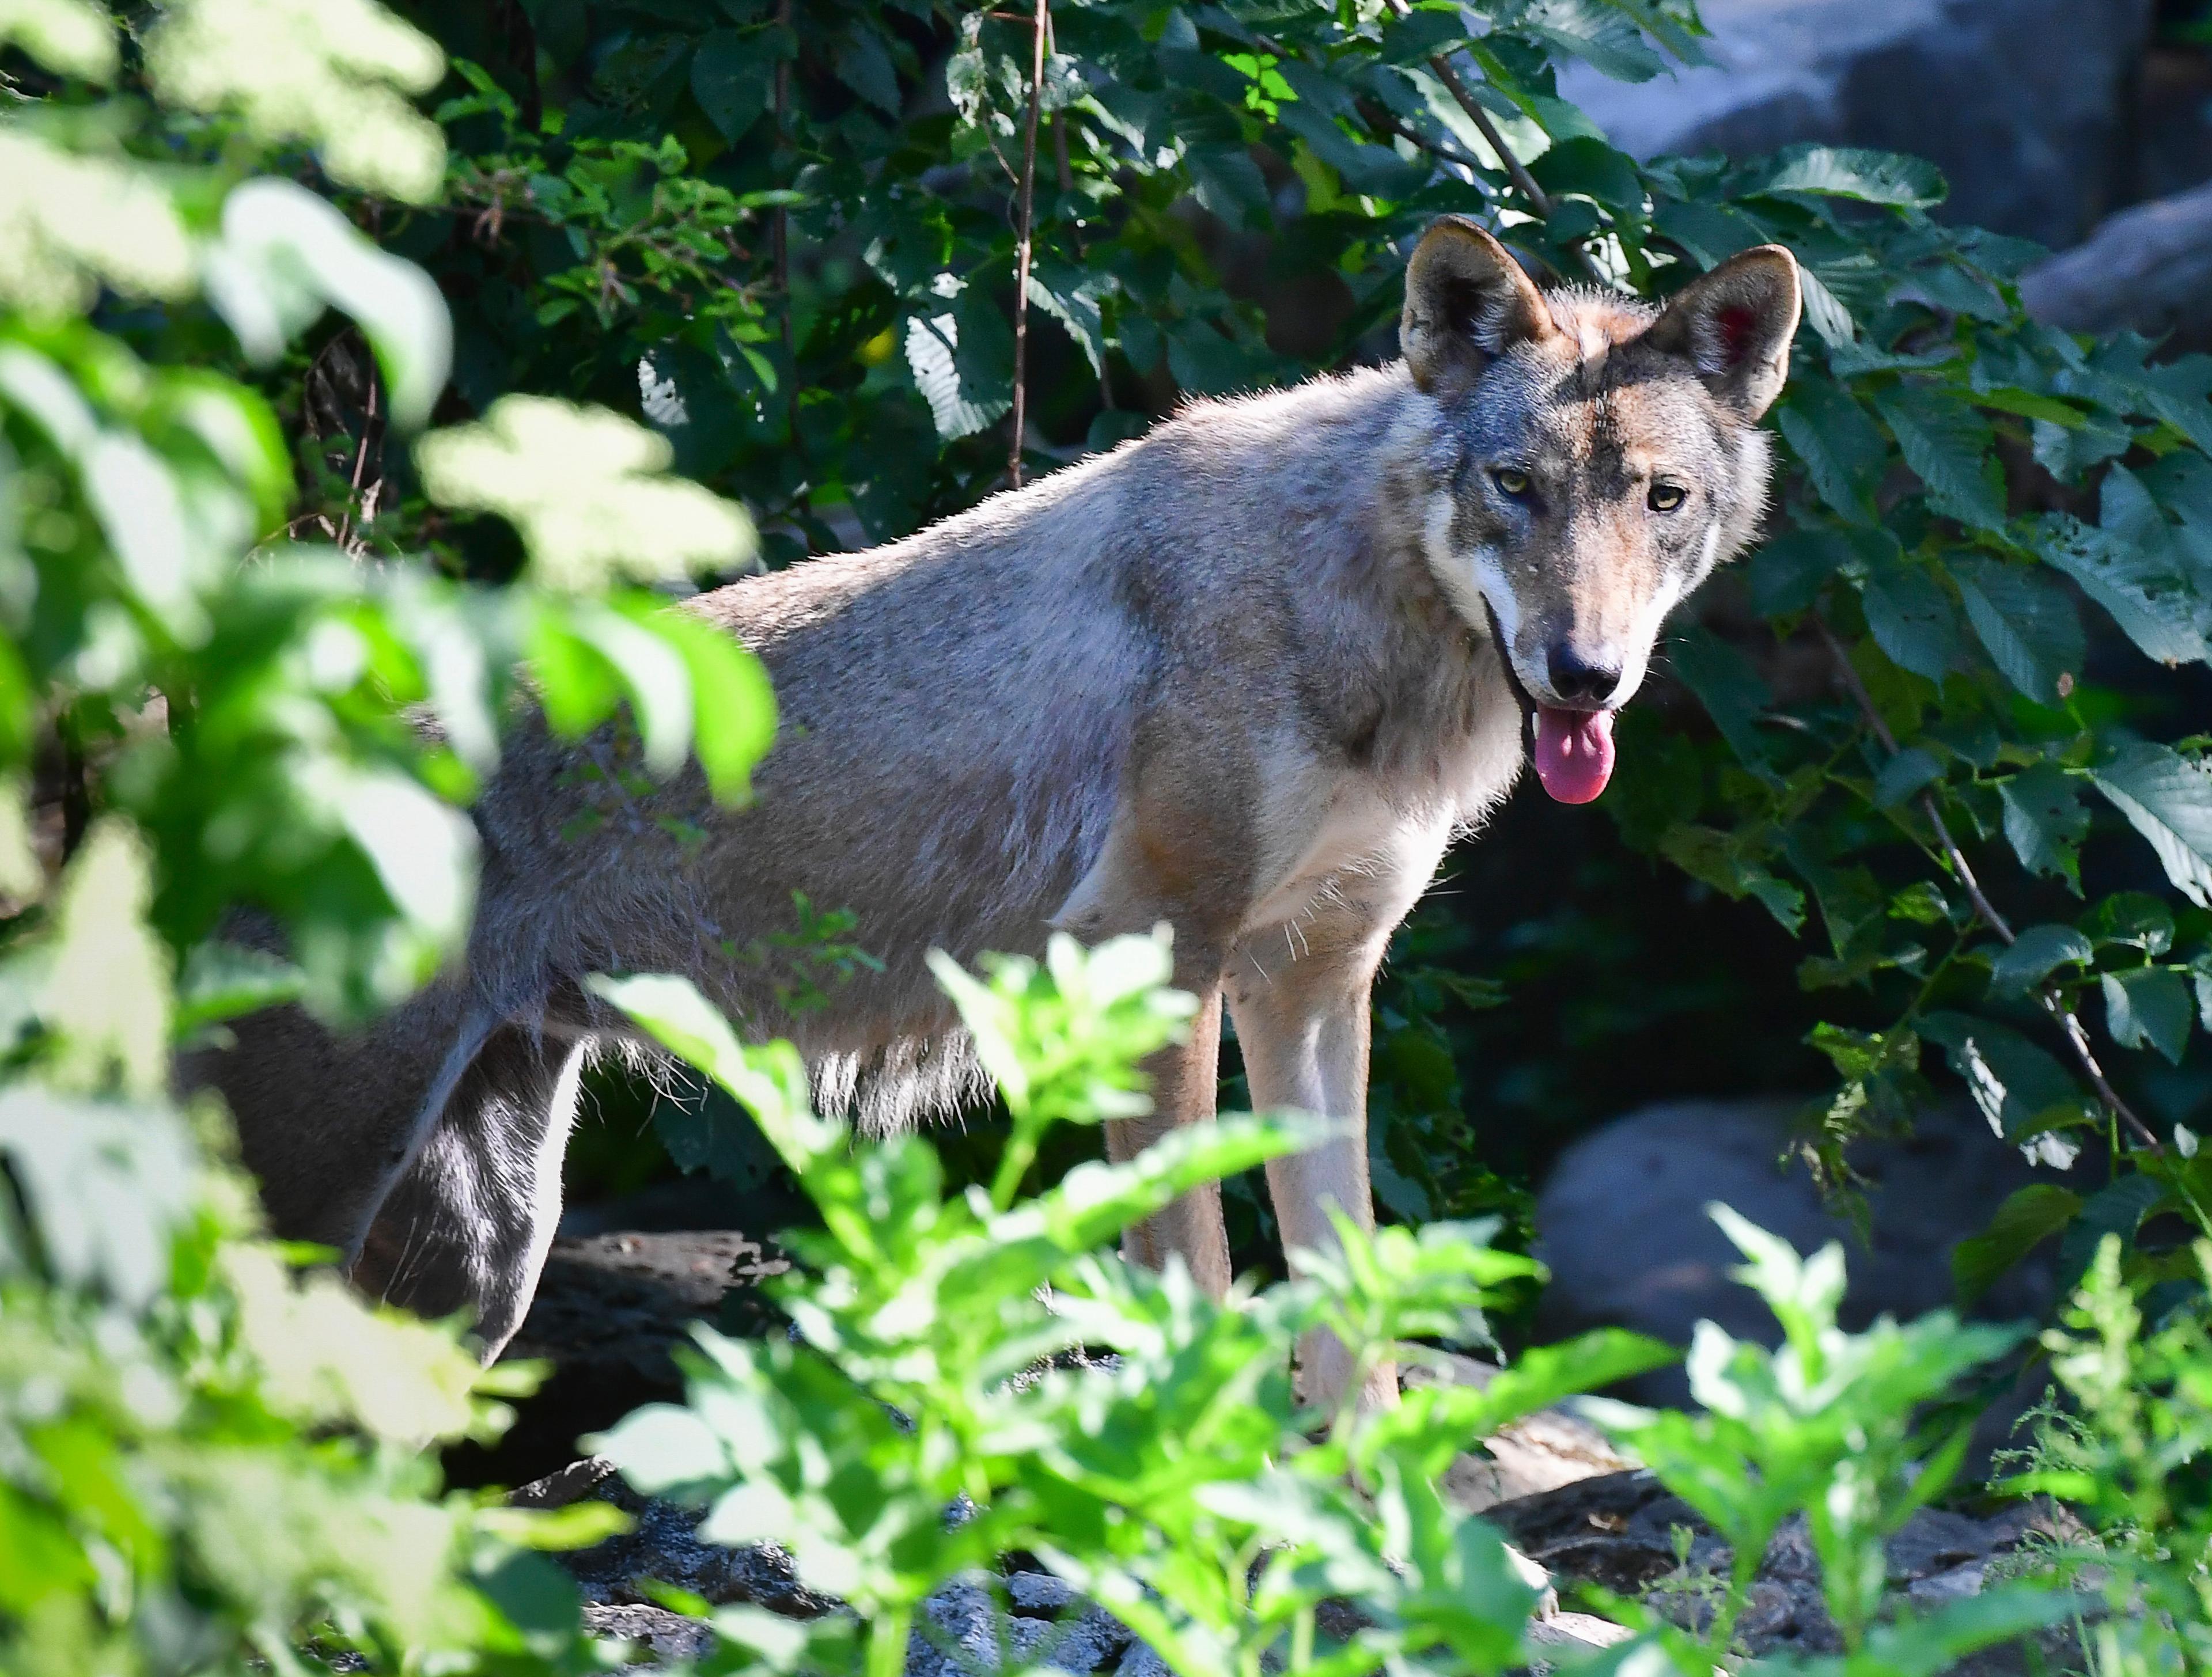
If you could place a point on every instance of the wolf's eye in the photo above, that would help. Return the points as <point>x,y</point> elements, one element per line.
<point>1666,497</point>
<point>1509,482</point>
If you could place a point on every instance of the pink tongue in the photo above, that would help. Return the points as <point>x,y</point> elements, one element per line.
<point>1574,752</point>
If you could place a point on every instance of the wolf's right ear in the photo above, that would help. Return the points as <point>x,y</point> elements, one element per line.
<point>1468,301</point>
<point>1735,323</point>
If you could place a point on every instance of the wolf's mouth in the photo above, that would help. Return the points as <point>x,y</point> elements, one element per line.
<point>1574,752</point>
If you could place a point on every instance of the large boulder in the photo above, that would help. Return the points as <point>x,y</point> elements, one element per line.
<point>2147,269</point>
<point>2019,101</point>
<point>1622,1222</point>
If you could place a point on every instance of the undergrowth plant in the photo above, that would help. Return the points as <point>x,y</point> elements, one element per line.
<point>2128,1446</point>
<point>210,1461</point>
<point>971,1375</point>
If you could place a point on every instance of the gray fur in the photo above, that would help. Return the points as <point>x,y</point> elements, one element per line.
<point>1237,674</point>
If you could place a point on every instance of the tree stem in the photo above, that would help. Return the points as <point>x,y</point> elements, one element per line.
<point>1022,247</point>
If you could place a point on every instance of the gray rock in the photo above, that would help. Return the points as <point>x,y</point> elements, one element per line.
<point>968,1631</point>
<point>657,1633</point>
<point>1625,1533</point>
<point>1622,1222</point>
<point>2019,101</point>
<point>2146,270</point>
<point>1141,1661</point>
<point>2172,116</point>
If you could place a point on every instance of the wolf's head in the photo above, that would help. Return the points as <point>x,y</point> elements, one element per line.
<point>1600,457</point>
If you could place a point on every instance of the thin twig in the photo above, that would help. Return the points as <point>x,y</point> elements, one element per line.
<point>778,227</point>
<point>1539,199</point>
<point>1022,248</point>
<point>2070,1024</point>
<point>369,429</point>
<point>1437,149</point>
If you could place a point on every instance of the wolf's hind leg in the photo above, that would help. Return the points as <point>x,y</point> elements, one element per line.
<point>329,1121</point>
<point>1154,867</point>
<point>467,1228</point>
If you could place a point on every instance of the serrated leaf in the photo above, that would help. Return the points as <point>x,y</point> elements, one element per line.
<point>2039,952</point>
<point>1729,687</point>
<point>1912,621</point>
<point>2030,628</point>
<point>2118,1208</point>
<point>1825,311</point>
<point>956,405</point>
<point>2169,800</point>
<point>1951,450</point>
<point>1850,171</point>
<point>1597,34</point>
<point>2019,1089</point>
<point>1903,774</point>
<point>1841,450</point>
<point>2147,1004</point>
<point>732,79</point>
<point>2028,1216</point>
<point>1718,860</point>
<point>2045,821</point>
<point>2139,584</point>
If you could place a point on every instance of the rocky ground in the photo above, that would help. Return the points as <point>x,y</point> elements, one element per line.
<point>1620,1531</point>
<point>615,1304</point>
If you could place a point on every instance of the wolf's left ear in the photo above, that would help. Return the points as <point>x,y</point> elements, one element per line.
<point>1468,301</point>
<point>1735,324</point>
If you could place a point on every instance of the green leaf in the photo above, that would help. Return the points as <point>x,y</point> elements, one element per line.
<point>227,980</point>
<point>1729,687</point>
<point>590,492</point>
<point>1422,33</point>
<point>1905,774</point>
<point>1787,574</point>
<point>2039,952</point>
<point>1719,859</point>
<point>286,253</point>
<point>1924,1647</point>
<point>963,399</point>
<point>2032,631</point>
<point>1226,182</point>
<point>2139,584</point>
<point>2021,1090</point>
<point>110,1187</point>
<point>2147,1004</point>
<point>2118,1208</point>
<point>732,79</point>
<point>733,705</point>
<point>2045,821</point>
<point>71,36</point>
<point>2169,800</point>
<point>2134,919</point>
<point>1596,33</point>
<point>1846,172</point>
<point>1951,450</point>
<point>2028,1216</point>
<point>1841,450</point>
<point>1912,621</point>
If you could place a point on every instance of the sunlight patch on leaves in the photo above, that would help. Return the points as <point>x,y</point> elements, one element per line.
<point>333,74</point>
<point>589,489</point>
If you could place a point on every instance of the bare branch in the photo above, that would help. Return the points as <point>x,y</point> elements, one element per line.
<point>1022,247</point>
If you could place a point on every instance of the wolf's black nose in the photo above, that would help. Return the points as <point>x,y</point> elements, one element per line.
<point>1577,681</point>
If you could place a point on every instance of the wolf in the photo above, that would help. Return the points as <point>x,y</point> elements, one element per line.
<point>1247,675</point>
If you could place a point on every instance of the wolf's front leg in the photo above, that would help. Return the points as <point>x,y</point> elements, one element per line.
<point>1304,1027</point>
<point>1183,1079</point>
